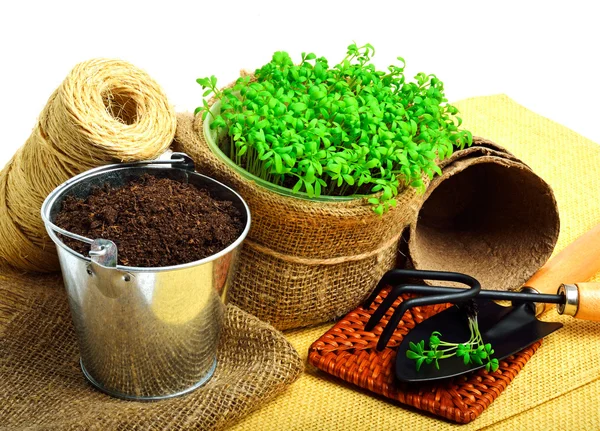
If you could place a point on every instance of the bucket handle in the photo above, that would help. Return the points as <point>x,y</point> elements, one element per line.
<point>179,160</point>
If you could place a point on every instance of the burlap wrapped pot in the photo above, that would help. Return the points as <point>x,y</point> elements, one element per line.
<point>304,261</point>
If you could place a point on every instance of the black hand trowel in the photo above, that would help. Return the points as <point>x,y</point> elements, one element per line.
<point>508,329</point>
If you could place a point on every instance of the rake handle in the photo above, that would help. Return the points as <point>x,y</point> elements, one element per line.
<point>579,261</point>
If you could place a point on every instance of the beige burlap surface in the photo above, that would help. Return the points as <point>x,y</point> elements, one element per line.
<point>303,262</point>
<point>42,387</point>
<point>559,388</point>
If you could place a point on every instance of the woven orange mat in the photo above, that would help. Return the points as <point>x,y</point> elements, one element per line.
<point>348,351</point>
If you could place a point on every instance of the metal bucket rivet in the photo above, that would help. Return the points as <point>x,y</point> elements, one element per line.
<point>144,333</point>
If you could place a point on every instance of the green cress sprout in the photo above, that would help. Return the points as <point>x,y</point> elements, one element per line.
<point>337,131</point>
<point>474,351</point>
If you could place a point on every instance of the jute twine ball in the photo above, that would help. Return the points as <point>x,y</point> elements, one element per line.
<point>105,111</point>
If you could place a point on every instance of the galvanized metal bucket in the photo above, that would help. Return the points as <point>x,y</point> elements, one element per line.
<point>144,333</point>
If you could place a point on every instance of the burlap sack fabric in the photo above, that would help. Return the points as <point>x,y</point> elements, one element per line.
<point>42,387</point>
<point>303,262</point>
<point>559,388</point>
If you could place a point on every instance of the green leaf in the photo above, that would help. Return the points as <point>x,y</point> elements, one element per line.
<point>421,346</point>
<point>298,107</point>
<point>278,164</point>
<point>297,186</point>
<point>319,168</point>
<point>335,168</point>
<point>387,193</point>
<point>372,163</point>
<point>288,160</point>
<point>317,188</point>
<point>476,359</point>
<point>310,174</point>
<point>417,183</point>
<point>266,156</point>
<point>412,355</point>
<point>464,351</point>
<point>319,71</point>
<point>262,124</point>
<point>434,341</point>
<point>204,82</point>
<point>309,189</point>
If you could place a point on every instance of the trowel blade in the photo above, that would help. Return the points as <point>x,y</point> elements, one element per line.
<point>507,329</point>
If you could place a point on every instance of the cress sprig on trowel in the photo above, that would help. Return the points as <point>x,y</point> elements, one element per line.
<point>473,351</point>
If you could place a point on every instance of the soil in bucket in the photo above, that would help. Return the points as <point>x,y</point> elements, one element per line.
<point>153,221</point>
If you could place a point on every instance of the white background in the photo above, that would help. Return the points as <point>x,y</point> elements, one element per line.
<point>545,55</point>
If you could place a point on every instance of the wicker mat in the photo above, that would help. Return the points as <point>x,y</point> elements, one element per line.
<point>559,388</point>
<point>42,387</point>
<point>348,352</point>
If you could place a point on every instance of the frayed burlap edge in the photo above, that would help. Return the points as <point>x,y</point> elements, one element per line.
<point>42,386</point>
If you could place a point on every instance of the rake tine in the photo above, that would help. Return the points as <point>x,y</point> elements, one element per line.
<point>389,329</point>
<point>395,293</point>
<point>440,295</point>
<point>387,279</point>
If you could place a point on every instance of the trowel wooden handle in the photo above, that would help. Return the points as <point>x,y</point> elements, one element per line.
<point>586,304</point>
<point>579,261</point>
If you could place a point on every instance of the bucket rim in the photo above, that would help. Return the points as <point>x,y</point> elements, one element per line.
<point>51,228</point>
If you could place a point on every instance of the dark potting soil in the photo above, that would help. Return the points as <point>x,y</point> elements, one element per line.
<point>154,222</point>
